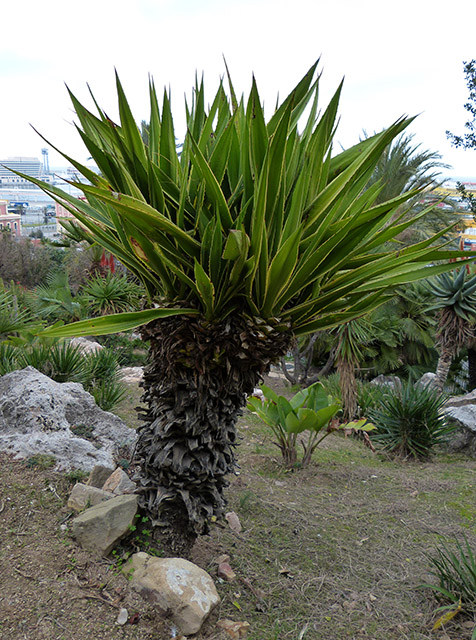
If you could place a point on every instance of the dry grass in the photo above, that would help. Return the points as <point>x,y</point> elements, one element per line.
<point>335,551</point>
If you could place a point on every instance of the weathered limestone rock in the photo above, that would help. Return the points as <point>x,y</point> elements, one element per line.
<point>98,476</point>
<point>427,380</point>
<point>83,496</point>
<point>387,381</point>
<point>132,374</point>
<point>462,411</point>
<point>99,528</point>
<point>119,483</point>
<point>178,587</point>
<point>38,415</point>
<point>462,401</point>
<point>85,345</point>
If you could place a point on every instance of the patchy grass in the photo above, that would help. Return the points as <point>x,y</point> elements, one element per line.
<point>332,552</point>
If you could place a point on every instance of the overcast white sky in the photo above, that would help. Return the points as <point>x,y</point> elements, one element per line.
<point>397,58</point>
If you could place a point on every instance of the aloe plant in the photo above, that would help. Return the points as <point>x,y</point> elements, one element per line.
<point>456,300</point>
<point>249,234</point>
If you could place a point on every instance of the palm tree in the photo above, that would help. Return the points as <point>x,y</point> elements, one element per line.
<point>456,301</point>
<point>249,236</point>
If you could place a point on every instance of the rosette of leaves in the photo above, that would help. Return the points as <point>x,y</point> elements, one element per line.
<point>456,299</point>
<point>251,233</point>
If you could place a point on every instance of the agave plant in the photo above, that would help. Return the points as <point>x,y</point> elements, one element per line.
<point>456,299</point>
<point>248,235</point>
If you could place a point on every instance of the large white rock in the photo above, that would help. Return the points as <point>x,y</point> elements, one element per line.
<point>40,416</point>
<point>178,587</point>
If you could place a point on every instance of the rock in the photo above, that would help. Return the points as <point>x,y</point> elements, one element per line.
<point>464,415</point>
<point>123,617</point>
<point>178,587</point>
<point>462,401</point>
<point>387,381</point>
<point>223,558</point>
<point>462,411</point>
<point>225,572</point>
<point>233,520</point>
<point>86,346</point>
<point>98,476</point>
<point>40,416</point>
<point>83,496</point>
<point>236,630</point>
<point>427,380</point>
<point>99,528</point>
<point>119,483</point>
<point>132,374</point>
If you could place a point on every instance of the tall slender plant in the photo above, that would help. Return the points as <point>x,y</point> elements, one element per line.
<point>251,234</point>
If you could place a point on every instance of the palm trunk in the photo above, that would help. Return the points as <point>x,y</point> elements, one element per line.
<point>443,368</point>
<point>471,368</point>
<point>348,387</point>
<point>195,387</point>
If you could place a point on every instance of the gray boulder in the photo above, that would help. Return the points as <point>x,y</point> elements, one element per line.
<point>462,411</point>
<point>40,416</point>
<point>393,382</point>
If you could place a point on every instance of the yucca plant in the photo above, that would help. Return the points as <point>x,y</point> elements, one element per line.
<point>111,293</point>
<point>409,421</point>
<point>455,572</point>
<point>456,299</point>
<point>248,235</point>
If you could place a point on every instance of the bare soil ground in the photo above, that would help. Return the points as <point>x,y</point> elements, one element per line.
<point>335,551</point>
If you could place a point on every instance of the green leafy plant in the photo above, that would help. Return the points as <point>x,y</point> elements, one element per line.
<point>409,421</point>
<point>111,293</point>
<point>455,573</point>
<point>41,461</point>
<point>60,361</point>
<point>250,234</point>
<point>310,409</point>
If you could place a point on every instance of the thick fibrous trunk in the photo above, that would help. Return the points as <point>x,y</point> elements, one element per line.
<point>471,368</point>
<point>443,368</point>
<point>195,387</point>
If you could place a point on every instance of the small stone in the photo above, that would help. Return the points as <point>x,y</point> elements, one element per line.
<point>83,496</point>
<point>123,617</point>
<point>234,522</point>
<point>119,483</point>
<point>236,630</point>
<point>98,476</point>
<point>225,572</point>
<point>223,558</point>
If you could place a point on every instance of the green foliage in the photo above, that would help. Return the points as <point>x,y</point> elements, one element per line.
<point>248,214</point>
<point>111,293</point>
<point>455,291</point>
<point>130,351</point>
<point>455,572</point>
<point>369,395</point>
<point>310,409</point>
<point>60,361</point>
<point>9,358</point>
<point>41,461</point>
<point>409,421</point>
<point>55,301</point>
<point>102,378</point>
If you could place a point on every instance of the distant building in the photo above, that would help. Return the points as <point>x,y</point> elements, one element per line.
<point>11,221</point>
<point>30,166</point>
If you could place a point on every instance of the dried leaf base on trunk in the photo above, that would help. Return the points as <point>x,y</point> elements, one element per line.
<point>195,388</point>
